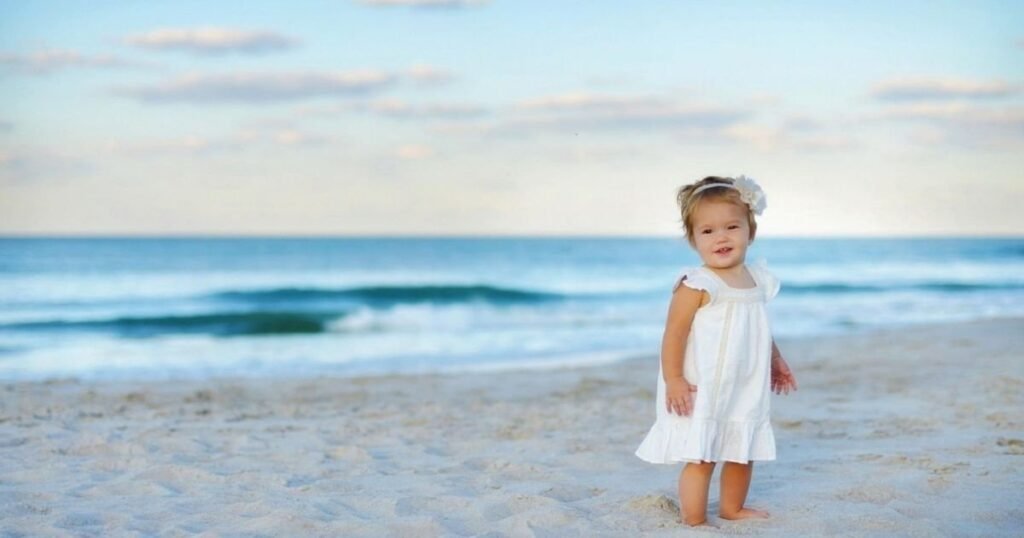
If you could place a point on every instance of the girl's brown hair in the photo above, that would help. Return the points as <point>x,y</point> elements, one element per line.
<point>688,203</point>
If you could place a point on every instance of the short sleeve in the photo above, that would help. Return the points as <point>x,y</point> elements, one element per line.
<point>696,279</point>
<point>766,279</point>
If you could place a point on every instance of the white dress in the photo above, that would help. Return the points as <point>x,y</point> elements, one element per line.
<point>728,357</point>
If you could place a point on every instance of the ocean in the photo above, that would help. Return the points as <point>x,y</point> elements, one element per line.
<point>171,308</point>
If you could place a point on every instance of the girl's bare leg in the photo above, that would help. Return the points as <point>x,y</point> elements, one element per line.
<point>734,486</point>
<point>694,481</point>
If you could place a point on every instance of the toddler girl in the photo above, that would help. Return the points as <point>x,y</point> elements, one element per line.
<point>714,399</point>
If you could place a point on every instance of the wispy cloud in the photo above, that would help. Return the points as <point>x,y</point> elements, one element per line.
<point>916,89</point>
<point>191,144</point>
<point>594,153</point>
<point>260,87</point>
<point>962,123</point>
<point>425,74</point>
<point>425,3</point>
<point>399,109</point>
<point>247,138</point>
<point>758,136</point>
<point>45,62</point>
<point>580,111</point>
<point>212,40</point>
<point>692,122</point>
<point>583,101</point>
<point>678,117</point>
<point>32,164</point>
<point>960,114</point>
<point>412,152</point>
<point>802,123</point>
<point>294,137</point>
<point>394,109</point>
<point>948,111</point>
<point>790,136</point>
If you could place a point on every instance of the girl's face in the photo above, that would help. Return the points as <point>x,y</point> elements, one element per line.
<point>721,233</point>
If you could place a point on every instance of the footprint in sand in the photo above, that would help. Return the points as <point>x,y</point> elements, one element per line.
<point>569,493</point>
<point>504,467</point>
<point>789,424</point>
<point>874,494</point>
<point>653,503</point>
<point>348,453</point>
<point>1013,446</point>
<point>506,506</point>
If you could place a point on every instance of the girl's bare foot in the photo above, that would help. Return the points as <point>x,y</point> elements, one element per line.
<point>744,513</point>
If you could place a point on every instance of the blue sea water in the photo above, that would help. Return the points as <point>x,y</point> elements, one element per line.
<point>158,308</point>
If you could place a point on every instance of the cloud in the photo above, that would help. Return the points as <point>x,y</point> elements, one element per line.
<point>399,109</point>
<point>957,112</point>
<point>582,101</point>
<point>260,87</point>
<point>672,117</point>
<point>212,40</point>
<point>691,122</point>
<point>45,62</point>
<point>247,138</point>
<point>294,137</point>
<point>425,3</point>
<point>941,88</point>
<point>963,117</point>
<point>946,112</point>
<point>802,123</point>
<point>594,153</point>
<point>190,144</point>
<point>412,152</point>
<point>41,164</point>
<point>580,111</point>
<point>787,137</point>
<point>758,136</point>
<point>396,109</point>
<point>425,74</point>
<point>961,123</point>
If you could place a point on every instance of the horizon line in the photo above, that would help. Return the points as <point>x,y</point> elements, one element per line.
<point>478,236</point>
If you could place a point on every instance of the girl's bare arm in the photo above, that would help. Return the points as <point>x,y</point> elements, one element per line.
<point>681,310</point>
<point>683,307</point>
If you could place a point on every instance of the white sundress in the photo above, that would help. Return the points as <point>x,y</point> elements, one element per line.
<point>728,357</point>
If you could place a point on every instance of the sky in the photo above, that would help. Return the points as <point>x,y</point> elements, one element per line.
<point>508,117</point>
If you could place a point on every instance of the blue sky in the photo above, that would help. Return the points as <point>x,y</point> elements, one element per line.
<point>507,118</point>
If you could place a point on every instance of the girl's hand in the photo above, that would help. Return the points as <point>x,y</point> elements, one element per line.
<point>782,378</point>
<point>678,397</point>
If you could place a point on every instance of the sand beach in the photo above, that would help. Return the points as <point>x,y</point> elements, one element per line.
<point>909,432</point>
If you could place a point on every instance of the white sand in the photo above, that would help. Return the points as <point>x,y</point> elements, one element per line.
<point>913,433</point>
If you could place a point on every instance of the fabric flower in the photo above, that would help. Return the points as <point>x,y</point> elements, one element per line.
<point>751,193</point>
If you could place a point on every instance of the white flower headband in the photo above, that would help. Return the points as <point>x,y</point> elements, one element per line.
<point>750,192</point>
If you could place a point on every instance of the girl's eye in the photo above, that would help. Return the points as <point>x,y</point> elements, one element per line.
<point>705,231</point>
<point>733,226</point>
